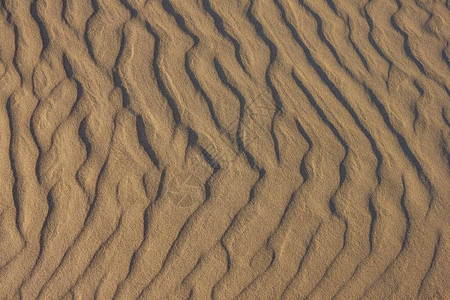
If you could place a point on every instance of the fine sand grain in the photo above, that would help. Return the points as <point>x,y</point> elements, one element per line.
<point>225,149</point>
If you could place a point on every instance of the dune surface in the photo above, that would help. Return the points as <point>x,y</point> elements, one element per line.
<point>222,149</point>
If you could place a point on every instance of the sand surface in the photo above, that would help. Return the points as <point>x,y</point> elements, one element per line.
<point>224,149</point>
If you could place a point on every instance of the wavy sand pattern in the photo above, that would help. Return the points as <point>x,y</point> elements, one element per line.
<point>212,149</point>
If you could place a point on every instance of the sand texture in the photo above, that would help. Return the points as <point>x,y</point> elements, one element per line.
<point>225,149</point>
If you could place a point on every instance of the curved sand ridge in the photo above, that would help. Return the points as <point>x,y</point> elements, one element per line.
<point>254,149</point>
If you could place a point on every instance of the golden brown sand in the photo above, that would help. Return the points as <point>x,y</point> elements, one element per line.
<point>222,149</point>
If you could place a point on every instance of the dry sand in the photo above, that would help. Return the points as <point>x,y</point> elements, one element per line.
<point>250,149</point>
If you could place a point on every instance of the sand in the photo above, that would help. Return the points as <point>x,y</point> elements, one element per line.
<point>222,149</point>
